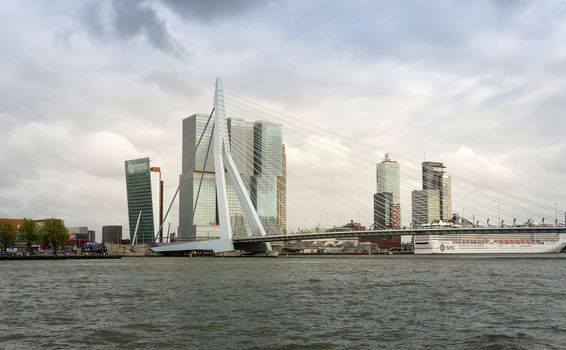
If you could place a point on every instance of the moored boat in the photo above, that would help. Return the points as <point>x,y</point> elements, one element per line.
<point>522,243</point>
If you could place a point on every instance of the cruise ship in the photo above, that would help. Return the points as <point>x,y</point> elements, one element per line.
<point>521,243</point>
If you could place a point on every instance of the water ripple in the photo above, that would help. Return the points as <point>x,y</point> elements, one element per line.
<point>284,303</point>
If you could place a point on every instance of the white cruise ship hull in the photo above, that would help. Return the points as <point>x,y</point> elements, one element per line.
<point>441,245</point>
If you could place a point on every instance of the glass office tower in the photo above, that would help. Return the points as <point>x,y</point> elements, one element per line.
<point>425,207</point>
<point>434,178</point>
<point>386,201</point>
<point>257,150</point>
<point>144,189</point>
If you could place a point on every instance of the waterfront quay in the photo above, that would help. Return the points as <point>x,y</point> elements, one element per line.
<point>59,257</point>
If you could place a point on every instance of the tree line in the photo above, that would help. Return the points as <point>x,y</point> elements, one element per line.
<point>52,232</point>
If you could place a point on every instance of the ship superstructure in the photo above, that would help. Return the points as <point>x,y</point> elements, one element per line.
<point>489,243</point>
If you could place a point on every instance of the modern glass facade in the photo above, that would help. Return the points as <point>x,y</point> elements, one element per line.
<point>382,203</point>
<point>138,185</point>
<point>425,206</point>
<point>387,178</point>
<point>434,178</point>
<point>268,166</point>
<point>282,194</point>
<point>386,204</point>
<point>432,175</point>
<point>257,150</point>
<point>205,216</point>
<point>446,198</point>
<point>241,138</point>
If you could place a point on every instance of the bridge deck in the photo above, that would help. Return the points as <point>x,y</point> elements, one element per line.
<point>411,232</point>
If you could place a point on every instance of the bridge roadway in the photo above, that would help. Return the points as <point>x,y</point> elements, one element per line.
<point>411,232</point>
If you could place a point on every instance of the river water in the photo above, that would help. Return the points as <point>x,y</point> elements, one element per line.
<point>411,302</point>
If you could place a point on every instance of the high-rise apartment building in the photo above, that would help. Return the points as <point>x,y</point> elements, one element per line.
<point>446,198</point>
<point>434,178</point>
<point>382,204</point>
<point>434,201</point>
<point>258,151</point>
<point>425,206</point>
<point>282,193</point>
<point>145,199</point>
<point>387,204</point>
<point>432,173</point>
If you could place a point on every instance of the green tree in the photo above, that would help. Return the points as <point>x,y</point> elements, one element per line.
<point>8,233</point>
<point>54,234</point>
<point>29,233</point>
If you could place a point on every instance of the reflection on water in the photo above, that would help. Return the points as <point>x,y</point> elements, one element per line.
<point>285,303</point>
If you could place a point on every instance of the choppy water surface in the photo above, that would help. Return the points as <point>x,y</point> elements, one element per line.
<point>284,303</point>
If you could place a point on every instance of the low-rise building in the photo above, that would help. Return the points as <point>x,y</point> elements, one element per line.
<point>112,234</point>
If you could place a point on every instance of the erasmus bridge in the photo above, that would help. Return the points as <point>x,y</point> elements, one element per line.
<point>512,214</point>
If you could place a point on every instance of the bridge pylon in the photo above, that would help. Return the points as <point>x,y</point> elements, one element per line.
<point>225,169</point>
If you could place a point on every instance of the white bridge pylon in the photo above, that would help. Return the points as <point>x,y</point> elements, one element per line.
<point>224,164</point>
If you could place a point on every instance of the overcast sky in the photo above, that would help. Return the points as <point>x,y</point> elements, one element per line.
<point>85,85</point>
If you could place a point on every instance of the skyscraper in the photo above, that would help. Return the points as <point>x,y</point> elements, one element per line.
<point>157,200</point>
<point>268,168</point>
<point>382,204</point>
<point>257,150</point>
<point>425,206</point>
<point>446,198</point>
<point>145,199</point>
<point>434,201</point>
<point>197,173</point>
<point>282,193</point>
<point>432,173</point>
<point>386,205</point>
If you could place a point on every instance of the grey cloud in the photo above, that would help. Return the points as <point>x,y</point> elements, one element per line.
<point>404,76</point>
<point>127,19</point>
<point>171,82</point>
<point>61,172</point>
<point>204,10</point>
<point>510,5</point>
<point>467,36</point>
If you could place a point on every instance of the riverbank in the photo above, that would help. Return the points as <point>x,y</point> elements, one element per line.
<point>58,257</point>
